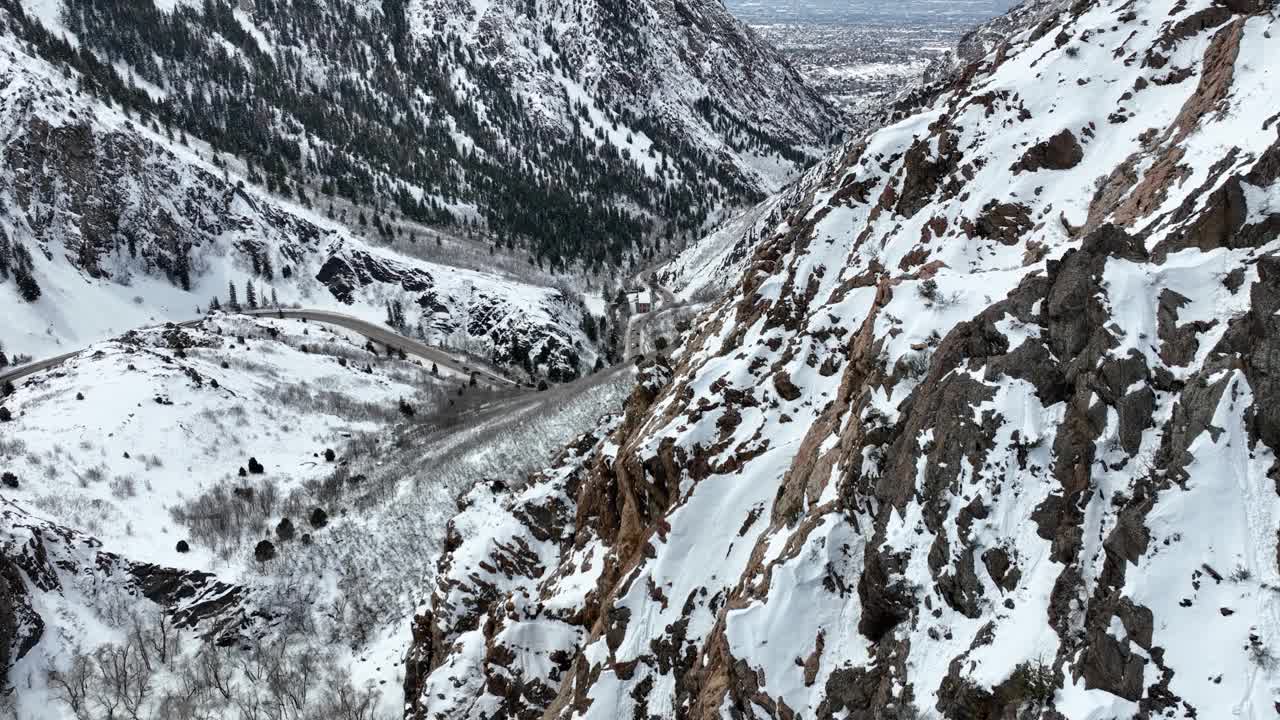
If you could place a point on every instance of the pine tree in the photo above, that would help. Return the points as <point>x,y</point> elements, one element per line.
<point>395,315</point>
<point>214,305</point>
<point>232,302</point>
<point>183,269</point>
<point>249,298</point>
<point>275,301</point>
<point>6,256</point>
<point>28,288</point>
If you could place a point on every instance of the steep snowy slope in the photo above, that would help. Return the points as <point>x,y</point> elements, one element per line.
<point>713,264</point>
<point>111,225</point>
<point>141,478</point>
<point>986,429</point>
<point>140,475</point>
<point>684,72</point>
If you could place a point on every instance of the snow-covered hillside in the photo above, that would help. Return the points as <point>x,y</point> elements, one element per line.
<point>142,477</point>
<point>684,71</point>
<point>142,473</point>
<point>986,428</point>
<point>115,226</point>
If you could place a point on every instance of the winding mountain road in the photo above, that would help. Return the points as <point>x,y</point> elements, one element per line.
<point>376,333</point>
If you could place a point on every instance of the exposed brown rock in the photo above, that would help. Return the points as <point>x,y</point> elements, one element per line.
<point>1107,664</point>
<point>922,173</point>
<point>1060,152</point>
<point>1004,572</point>
<point>1178,344</point>
<point>1004,222</point>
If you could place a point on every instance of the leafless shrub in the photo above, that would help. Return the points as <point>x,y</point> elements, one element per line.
<point>1260,654</point>
<point>287,677</point>
<point>72,686</point>
<point>12,447</point>
<point>123,486</point>
<point>302,398</point>
<point>914,365</point>
<point>707,294</point>
<point>224,518</point>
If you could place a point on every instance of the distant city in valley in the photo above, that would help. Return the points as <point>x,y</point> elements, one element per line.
<point>857,53</point>
<point>856,65</point>
<point>868,12</point>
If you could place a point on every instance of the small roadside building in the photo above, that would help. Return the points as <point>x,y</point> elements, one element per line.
<point>640,302</point>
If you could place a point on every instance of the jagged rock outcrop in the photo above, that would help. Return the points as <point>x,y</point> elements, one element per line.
<point>969,438</point>
<point>38,557</point>
<point>20,625</point>
<point>502,581</point>
<point>44,566</point>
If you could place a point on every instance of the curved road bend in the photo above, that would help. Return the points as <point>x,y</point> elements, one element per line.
<point>374,332</point>
<point>387,337</point>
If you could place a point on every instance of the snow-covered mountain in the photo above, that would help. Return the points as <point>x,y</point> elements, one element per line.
<point>986,427</point>
<point>111,226</point>
<point>687,68</point>
<point>571,132</point>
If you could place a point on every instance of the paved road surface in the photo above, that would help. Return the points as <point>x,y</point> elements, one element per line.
<point>390,338</point>
<point>21,371</point>
<point>377,333</point>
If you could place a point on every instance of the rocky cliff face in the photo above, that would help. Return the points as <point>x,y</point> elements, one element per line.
<point>45,566</point>
<point>987,428</point>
